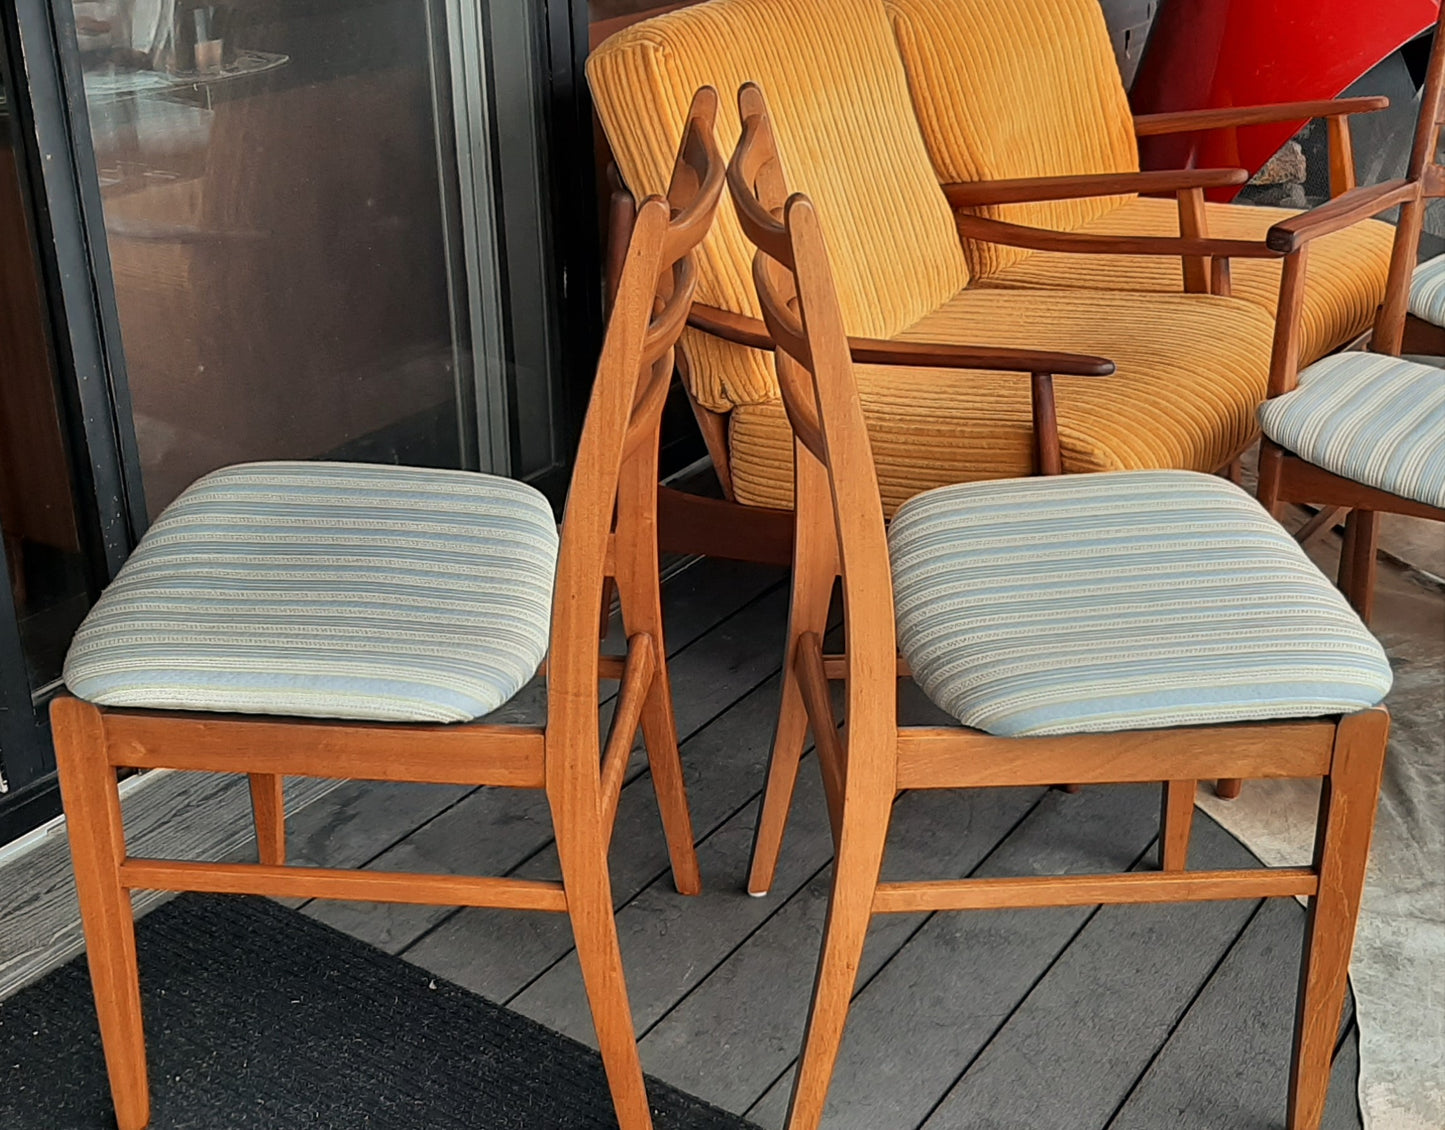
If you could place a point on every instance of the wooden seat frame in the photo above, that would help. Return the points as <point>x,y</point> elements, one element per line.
<point>840,535</point>
<point>1284,476</point>
<point>616,471</point>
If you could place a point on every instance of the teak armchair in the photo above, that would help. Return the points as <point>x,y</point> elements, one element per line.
<point>383,601</point>
<point>1001,627</point>
<point>935,328</point>
<point>1365,432</point>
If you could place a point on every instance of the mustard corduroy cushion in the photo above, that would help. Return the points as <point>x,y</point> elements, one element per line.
<point>1191,373</point>
<point>1017,88</point>
<point>847,135</point>
<point>1345,272</point>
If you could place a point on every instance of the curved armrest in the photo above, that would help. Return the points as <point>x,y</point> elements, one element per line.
<point>1083,243</point>
<point>972,194</point>
<point>751,332</point>
<point>1041,366</point>
<point>1224,117</point>
<point>1341,212</point>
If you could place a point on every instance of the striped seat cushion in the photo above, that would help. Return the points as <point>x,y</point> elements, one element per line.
<point>332,590</point>
<point>1376,419</point>
<point>1121,601</point>
<point>1427,291</point>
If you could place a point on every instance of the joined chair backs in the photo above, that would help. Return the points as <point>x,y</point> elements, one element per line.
<point>839,510</point>
<point>616,463</point>
<point>1027,88</point>
<point>847,133</point>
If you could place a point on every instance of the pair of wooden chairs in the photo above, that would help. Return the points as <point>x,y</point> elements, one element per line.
<point>1117,627</point>
<point>369,619</point>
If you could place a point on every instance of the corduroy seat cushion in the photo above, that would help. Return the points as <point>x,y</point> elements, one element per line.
<point>1191,372</point>
<point>332,590</point>
<point>1378,420</point>
<point>1136,601</point>
<point>847,137</point>
<point>1026,88</point>
<point>1427,291</point>
<point>1345,274</point>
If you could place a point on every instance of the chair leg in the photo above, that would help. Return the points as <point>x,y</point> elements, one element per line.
<point>268,809</point>
<point>1227,788</point>
<point>582,849</point>
<point>1176,820</point>
<point>855,877</point>
<point>97,848</point>
<point>1342,846</point>
<point>1344,579</point>
<point>640,591</point>
<point>1359,585</point>
<point>659,734</point>
<point>814,572</point>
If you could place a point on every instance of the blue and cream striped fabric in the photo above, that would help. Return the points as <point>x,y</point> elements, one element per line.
<point>1119,601</point>
<point>1427,291</point>
<point>334,590</point>
<point>1376,419</point>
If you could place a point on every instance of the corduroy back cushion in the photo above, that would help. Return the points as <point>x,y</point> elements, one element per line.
<point>848,137</point>
<point>1017,88</point>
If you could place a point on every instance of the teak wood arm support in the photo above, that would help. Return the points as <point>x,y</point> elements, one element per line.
<point>742,330</point>
<point>973,194</point>
<point>1041,365</point>
<point>1341,212</point>
<point>1227,117</point>
<point>1081,243</point>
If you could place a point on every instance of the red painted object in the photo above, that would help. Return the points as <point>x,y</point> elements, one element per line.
<point>1219,53</point>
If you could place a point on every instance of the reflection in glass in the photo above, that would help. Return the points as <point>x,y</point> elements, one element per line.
<point>276,204</point>
<point>37,505</point>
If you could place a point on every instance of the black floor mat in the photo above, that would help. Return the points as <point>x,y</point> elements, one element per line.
<point>257,1016</point>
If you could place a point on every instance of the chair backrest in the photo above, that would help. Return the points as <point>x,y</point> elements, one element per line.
<point>620,435</point>
<point>836,484</point>
<point>1425,169</point>
<point>847,134</point>
<point>1017,88</point>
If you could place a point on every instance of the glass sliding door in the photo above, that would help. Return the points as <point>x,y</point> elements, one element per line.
<point>283,214</point>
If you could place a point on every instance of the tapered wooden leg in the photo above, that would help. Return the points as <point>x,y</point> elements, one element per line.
<point>582,849</point>
<point>1176,819</point>
<point>268,808</point>
<point>1344,579</point>
<point>97,848</point>
<point>814,571</point>
<point>1227,788</point>
<point>855,877</point>
<point>1359,586</point>
<point>1342,847</point>
<point>659,733</point>
<point>1271,467</point>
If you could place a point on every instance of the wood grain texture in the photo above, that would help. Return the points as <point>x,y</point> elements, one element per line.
<point>1226,117</point>
<point>973,194</point>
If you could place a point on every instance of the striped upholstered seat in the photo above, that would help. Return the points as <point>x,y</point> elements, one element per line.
<point>1376,419</point>
<point>1122,601</point>
<point>332,590</point>
<point>1427,291</point>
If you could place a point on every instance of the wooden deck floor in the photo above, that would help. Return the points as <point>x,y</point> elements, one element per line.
<point>1130,1018</point>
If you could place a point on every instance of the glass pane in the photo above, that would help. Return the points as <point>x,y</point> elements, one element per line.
<point>279,206</point>
<point>48,579</point>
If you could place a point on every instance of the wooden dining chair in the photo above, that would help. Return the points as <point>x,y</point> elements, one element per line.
<point>347,620</point>
<point>1365,431</point>
<point>1111,627</point>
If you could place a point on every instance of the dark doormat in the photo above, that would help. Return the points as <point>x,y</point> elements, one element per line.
<point>257,1016</point>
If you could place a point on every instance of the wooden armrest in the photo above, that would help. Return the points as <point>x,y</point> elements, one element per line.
<point>1341,212</point>
<point>1224,117</point>
<point>1083,243</point>
<point>972,194</point>
<point>751,332</point>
